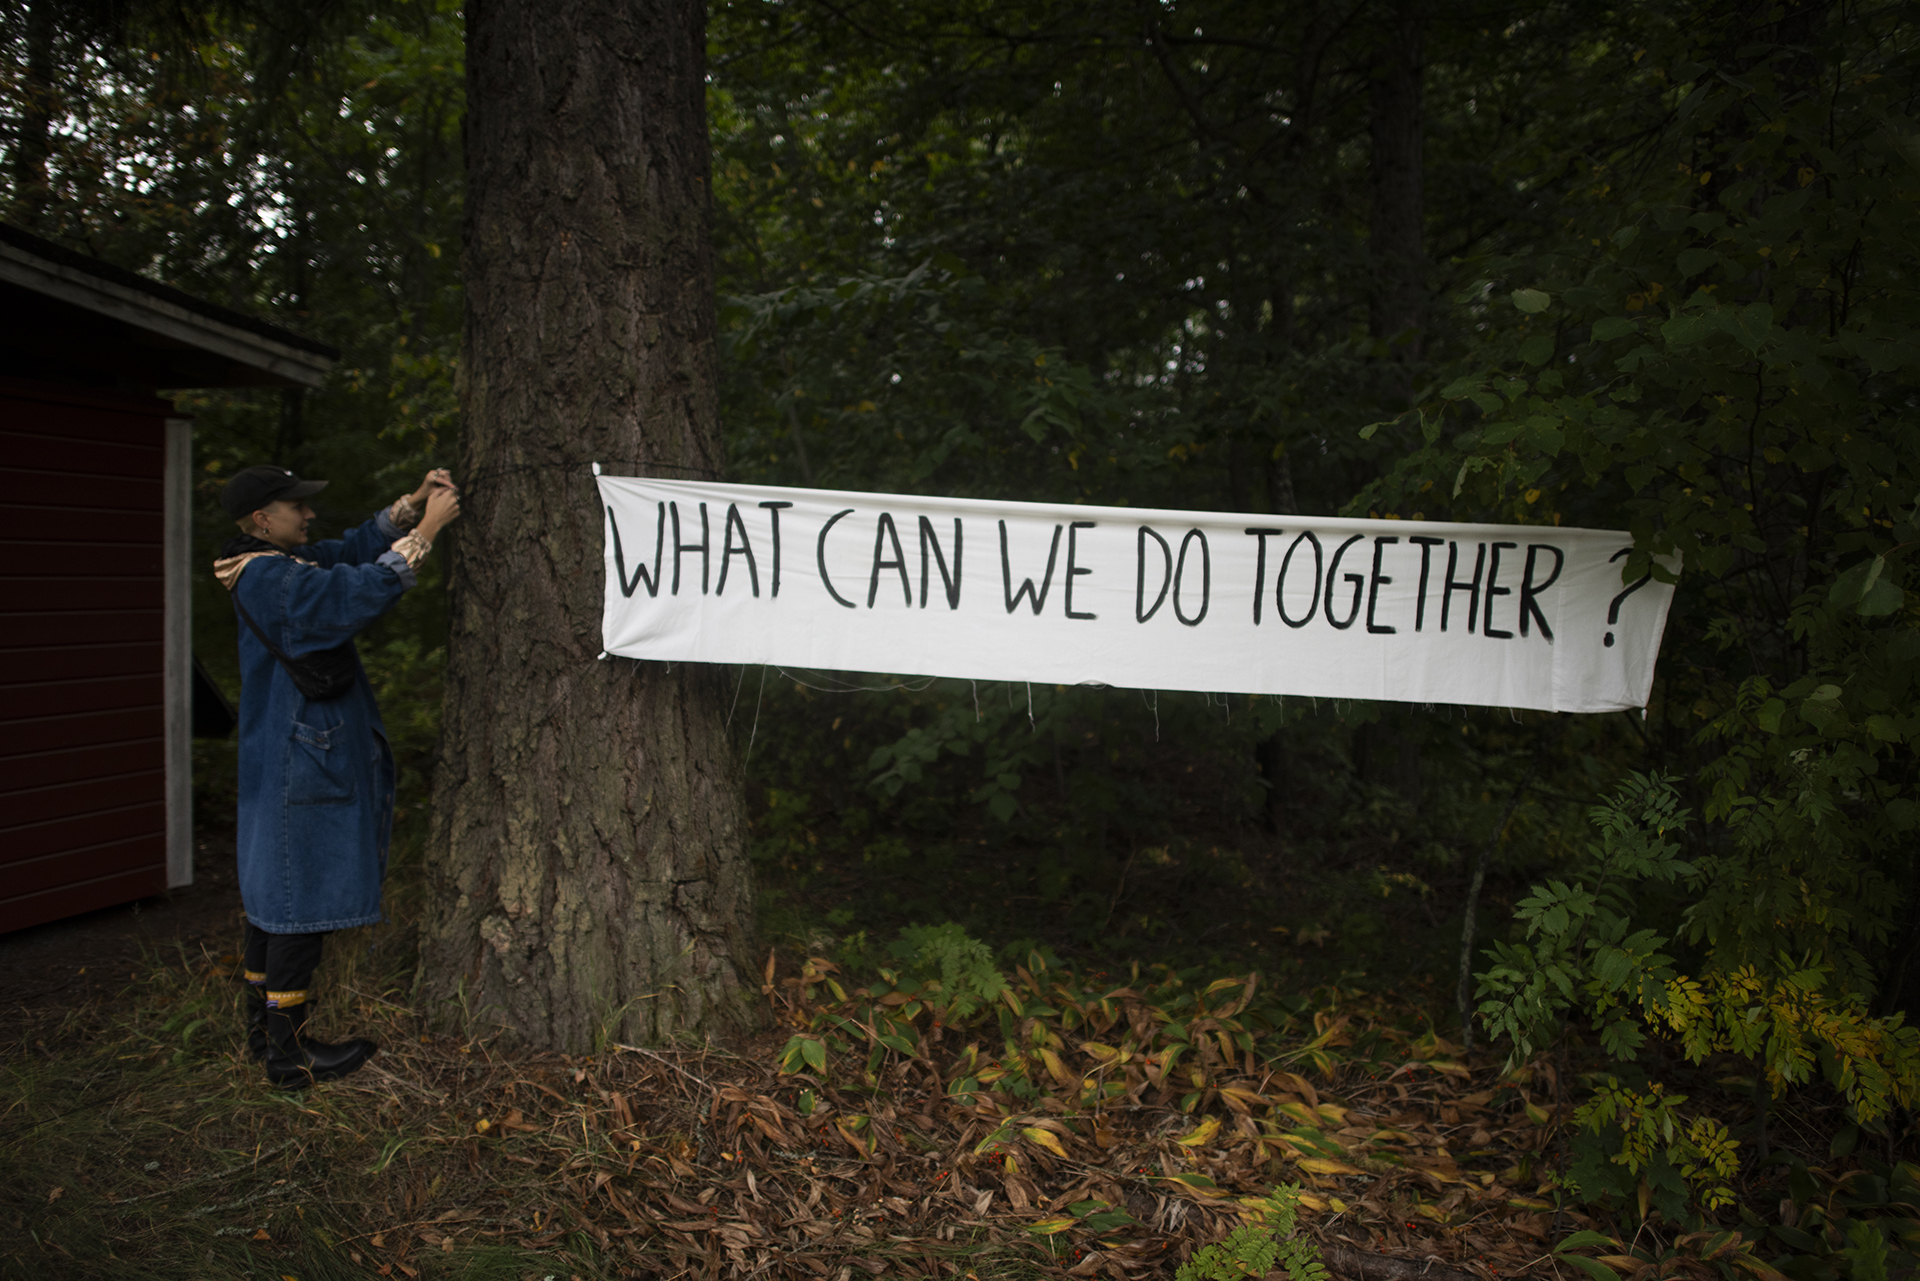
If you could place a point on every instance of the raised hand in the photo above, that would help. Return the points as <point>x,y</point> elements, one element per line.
<point>437,479</point>
<point>443,508</point>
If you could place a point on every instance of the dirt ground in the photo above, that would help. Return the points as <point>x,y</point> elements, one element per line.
<point>47,969</point>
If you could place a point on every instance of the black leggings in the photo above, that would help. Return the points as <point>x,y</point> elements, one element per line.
<point>287,960</point>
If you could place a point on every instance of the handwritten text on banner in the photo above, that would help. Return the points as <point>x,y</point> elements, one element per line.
<point>1493,615</point>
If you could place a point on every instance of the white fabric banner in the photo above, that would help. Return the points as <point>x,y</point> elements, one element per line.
<point>1411,611</point>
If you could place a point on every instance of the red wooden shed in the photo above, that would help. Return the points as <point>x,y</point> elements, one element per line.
<point>96,664</point>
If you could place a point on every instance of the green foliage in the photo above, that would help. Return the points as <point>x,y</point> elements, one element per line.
<point>1248,1251</point>
<point>1714,346</point>
<point>1641,1144</point>
<point>1584,956</point>
<point>1581,950</point>
<point>1861,1226</point>
<point>1270,1242</point>
<point>951,967</point>
<point>1732,325</point>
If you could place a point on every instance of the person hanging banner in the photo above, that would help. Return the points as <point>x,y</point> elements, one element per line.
<point>1410,611</point>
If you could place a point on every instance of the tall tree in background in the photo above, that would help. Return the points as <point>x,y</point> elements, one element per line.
<point>587,871</point>
<point>1396,233</point>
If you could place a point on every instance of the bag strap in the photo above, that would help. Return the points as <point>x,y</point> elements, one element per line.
<point>271,648</point>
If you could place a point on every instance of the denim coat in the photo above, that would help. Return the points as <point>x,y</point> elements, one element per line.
<point>316,778</point>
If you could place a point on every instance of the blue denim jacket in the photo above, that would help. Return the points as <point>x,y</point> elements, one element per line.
<point>316,778</point>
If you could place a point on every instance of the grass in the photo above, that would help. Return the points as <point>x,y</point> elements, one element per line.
<point>137,1140</point>
<point>137,1137</point>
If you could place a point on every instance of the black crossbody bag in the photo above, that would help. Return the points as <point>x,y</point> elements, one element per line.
<point>320,676</point>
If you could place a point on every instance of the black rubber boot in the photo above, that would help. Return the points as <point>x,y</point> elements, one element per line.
<point>294,1061</point>
<point>256,999</point>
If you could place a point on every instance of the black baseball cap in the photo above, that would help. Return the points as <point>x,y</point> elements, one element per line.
<point>254,487</point>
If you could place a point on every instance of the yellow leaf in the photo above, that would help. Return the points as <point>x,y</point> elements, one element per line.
<point>1034,1134</point>
<point>1538,1115</point>
<point>1299,1112</point>
<point>1101,1053</point>
<point>1047,1227</point>
<point>1321,1165</point>
<point>1312,1202</point>
<point>1058,1070</point>
<point>1426,1211</point>
<point>1200,1134</point>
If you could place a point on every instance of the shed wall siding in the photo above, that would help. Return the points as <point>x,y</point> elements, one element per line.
<point>83,727</point>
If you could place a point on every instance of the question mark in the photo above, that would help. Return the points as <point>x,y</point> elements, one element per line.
<point>1613,610</point>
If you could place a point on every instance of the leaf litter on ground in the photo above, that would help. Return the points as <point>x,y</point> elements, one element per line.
<point>1068,1126</point>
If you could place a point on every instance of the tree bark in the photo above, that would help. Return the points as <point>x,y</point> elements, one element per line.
<point>1397,229</point>
<point>1349,1263</point>
<point>586,867</point>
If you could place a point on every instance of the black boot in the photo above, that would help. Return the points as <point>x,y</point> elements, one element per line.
<point>256,999</point>
<point>294,1061</point>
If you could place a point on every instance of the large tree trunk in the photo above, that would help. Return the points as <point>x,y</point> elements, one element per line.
<point>587,869</point>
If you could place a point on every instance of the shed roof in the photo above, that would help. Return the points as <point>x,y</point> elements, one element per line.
<point>67,317</point>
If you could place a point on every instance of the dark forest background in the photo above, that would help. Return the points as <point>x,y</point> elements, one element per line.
<point>1640,266</point>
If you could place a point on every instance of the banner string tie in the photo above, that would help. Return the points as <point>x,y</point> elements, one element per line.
<point>976,700</point>
<point>736,685</point>
<point>844,688</point>
<point>1032,728</point>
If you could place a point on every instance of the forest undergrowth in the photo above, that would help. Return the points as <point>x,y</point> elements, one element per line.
<point>930,1118</point>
